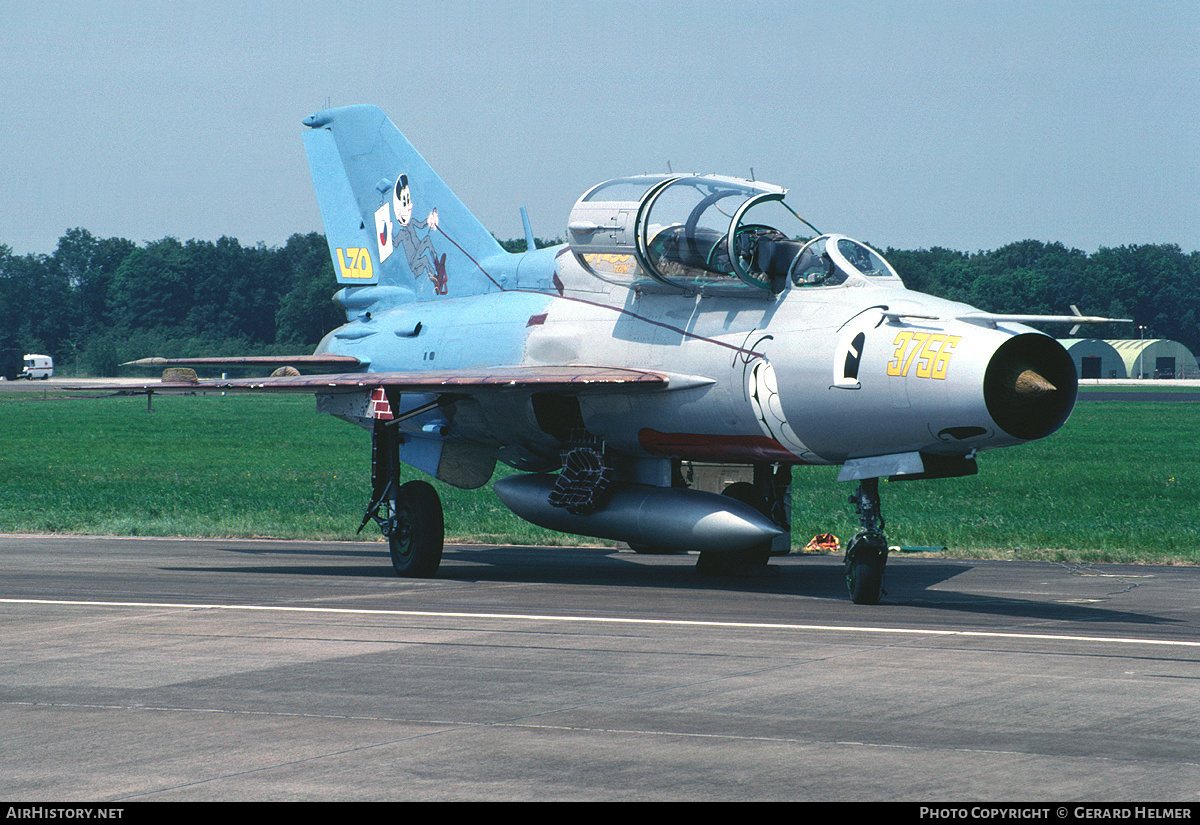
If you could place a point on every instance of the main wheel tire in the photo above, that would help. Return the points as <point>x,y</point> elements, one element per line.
<point>752,561</point>
<point>416,543</point>
<point>744,492</point>
<point>749,561</point>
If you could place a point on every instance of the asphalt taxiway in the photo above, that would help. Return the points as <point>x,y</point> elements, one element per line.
<point>171,669</point>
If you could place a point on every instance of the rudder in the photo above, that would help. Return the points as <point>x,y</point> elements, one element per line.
<point>389,219</point>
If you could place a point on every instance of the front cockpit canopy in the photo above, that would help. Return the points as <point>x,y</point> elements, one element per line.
<point>832,259</point>
<point>708,234</point>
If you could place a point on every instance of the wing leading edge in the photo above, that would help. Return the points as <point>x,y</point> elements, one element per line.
<point>467,381</point>
<point>323,361</point>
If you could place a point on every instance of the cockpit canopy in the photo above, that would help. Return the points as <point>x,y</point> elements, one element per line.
<point>708,234</point>
<point>832,259</point>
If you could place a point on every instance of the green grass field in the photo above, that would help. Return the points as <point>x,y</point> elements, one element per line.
<point>1116,483</point>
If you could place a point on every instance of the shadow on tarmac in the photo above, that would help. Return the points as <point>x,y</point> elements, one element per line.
<point>911,584</point>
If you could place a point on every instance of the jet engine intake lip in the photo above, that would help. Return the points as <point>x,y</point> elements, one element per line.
<point>1030,386</point>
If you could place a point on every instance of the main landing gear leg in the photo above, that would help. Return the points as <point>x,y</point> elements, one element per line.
<point>867,553</point>
<point>409,515</point>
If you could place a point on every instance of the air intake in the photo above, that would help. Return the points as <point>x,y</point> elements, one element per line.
<point>1030,386</point>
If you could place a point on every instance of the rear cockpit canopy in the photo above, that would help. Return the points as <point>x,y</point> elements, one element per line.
<point>710,234</point>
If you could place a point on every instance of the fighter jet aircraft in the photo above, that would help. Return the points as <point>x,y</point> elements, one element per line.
<point>688,321</point>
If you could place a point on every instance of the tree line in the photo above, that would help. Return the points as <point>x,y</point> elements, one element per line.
<point>96,302</point>
<point>1155,285</point>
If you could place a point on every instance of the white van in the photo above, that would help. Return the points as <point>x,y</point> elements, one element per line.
<point>37,366</point>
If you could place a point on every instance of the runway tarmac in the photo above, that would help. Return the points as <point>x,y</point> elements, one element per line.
<point>172,669</point>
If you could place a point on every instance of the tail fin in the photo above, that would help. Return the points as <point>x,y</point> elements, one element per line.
<point>389,219</point>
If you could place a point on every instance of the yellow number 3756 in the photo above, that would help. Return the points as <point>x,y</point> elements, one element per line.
<point>930,350</point>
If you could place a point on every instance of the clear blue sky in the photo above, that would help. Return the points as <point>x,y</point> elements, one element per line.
<point>911,124</point>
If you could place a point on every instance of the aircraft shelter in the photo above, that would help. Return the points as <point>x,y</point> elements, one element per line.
<point>1132,358</point>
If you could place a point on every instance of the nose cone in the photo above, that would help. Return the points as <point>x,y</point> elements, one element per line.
<point>1029,383</point>
<point>1030,386</point>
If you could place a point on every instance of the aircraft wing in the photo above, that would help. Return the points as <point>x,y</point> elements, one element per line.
<point>474,381</point>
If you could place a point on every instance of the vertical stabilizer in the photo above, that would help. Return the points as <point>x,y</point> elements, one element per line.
<point>389,219</point>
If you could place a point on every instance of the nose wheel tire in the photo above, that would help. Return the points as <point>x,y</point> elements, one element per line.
<point>866,558</point>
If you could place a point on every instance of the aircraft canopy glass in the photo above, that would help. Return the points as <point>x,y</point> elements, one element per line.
<point>702,234</point>
<point>831,259</point>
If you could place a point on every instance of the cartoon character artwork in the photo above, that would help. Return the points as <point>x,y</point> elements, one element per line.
<point>395,228</point>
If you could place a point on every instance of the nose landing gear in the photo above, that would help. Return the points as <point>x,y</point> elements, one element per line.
<point>867,552</point>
